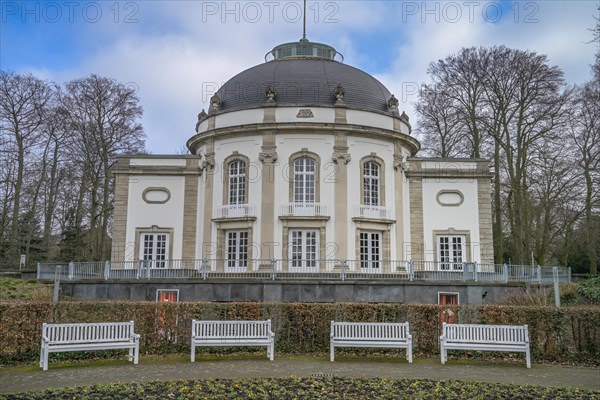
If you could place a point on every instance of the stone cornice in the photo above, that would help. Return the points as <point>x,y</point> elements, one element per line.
<point>234,219</point>
<point>162,170</point>
<point>304,218</point>
<point>444,168</point>
<point>374,220</point>
<point>198,140</point>
<point>448,173</point>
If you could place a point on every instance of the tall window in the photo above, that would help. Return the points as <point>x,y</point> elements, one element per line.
<point>237,182</point>
<point>155,248</point>
<point>371,184</point>
<point>451,252</point>
<point>304,248</point>
<point>237,249</point>
<point>304,180</point>
<point>370,250</point>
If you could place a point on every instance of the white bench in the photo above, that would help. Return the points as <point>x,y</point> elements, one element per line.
<point>484,337</point>
<point>233,333</point>
<point>88,336</point>
<point>370,334</point>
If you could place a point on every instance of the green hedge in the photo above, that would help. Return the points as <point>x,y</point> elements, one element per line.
<point>564,335</point>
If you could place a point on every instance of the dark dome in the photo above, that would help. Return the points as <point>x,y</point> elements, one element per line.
<point>303,82</point>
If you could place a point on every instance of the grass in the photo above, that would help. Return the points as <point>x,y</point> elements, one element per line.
<point>328,387</point>
<point>13,289</point>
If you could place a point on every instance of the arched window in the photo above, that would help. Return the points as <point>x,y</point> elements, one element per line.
<point>304,180</point>
<point>237,182</point>
<point>371,184</point>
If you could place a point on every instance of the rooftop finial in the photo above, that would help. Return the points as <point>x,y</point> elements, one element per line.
<point>304,31</point>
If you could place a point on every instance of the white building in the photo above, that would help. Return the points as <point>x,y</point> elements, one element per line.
<point>305,160</point>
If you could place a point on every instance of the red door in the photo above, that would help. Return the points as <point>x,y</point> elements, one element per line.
<point>448,314</point>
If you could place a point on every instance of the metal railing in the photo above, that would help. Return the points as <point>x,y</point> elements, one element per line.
<point>282,269</point>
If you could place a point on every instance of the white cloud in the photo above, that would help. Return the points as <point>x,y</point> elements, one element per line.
<point>177,49</point>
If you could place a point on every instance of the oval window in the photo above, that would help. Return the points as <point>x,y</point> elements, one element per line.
<point>450,198</point>
<point>156,195</point>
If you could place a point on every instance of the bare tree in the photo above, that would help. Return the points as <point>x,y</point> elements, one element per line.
<point>104,118</point>
<point>439,123</point>
<point>458,92</point>
<point>23,99</point>
<point>528,100</point>
<point>506,103</point>
<point>584,129</point>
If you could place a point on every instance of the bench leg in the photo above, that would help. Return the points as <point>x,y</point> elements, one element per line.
<point>443,354</point>
<point>45,360</point>
<point>409,353</point>
<point>528,355</point>
<point>271,351</point>
<point>193,352</point>
<point>331,352</point>
<point>136,353</point>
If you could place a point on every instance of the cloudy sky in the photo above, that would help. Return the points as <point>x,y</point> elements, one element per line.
<point>176,53</point>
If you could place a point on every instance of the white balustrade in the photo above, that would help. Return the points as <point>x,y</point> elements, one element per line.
<point>304,209</point>
<point>235,211</point>
<point>373,212</point>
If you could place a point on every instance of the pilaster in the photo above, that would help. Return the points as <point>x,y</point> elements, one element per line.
<point>268,157</point>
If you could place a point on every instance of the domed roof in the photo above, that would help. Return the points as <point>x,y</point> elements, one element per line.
<point>299,79</point>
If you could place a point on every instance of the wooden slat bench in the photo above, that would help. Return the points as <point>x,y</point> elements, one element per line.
<point>484,337</point>
<point>370,334</point>
<point>88,336</point>
<point>233,333</point>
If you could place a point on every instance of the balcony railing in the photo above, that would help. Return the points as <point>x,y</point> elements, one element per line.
<point>311,269</point>
<point>373,212</point>
<point>304,210</point>
<point>235,211</point>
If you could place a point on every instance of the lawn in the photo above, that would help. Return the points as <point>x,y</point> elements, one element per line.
<point>12,289</point>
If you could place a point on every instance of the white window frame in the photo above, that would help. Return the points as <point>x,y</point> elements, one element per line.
<point>305,180</point>
<point>153,253</point>
<point>160,291</point>
<point>304,249</point>
<point>451,252</point>
<point>370,250</point>
<point>236,250</point>
<point>237,182</point>
<point>440,294</point>
<point>371,184</point>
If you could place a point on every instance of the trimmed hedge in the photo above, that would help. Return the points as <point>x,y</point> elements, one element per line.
<point>562,335</point>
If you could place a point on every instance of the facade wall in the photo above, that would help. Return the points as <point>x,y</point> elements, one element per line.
<point>409,189</point>
<point>309,292</point>
<point>167,216</point>
<point>450,217</point>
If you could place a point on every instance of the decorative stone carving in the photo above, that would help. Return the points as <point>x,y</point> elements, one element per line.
<point>269,156</point>
<point>398,162</point>
<point>404,116</point>
<point>270,93</point>
<point>341,156</point>
<point>209,162</point>
<point>201,117</point>
<point>340,92</point>
<point>393,104</point>
<point>305,113</point>
<point>215,104</point>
